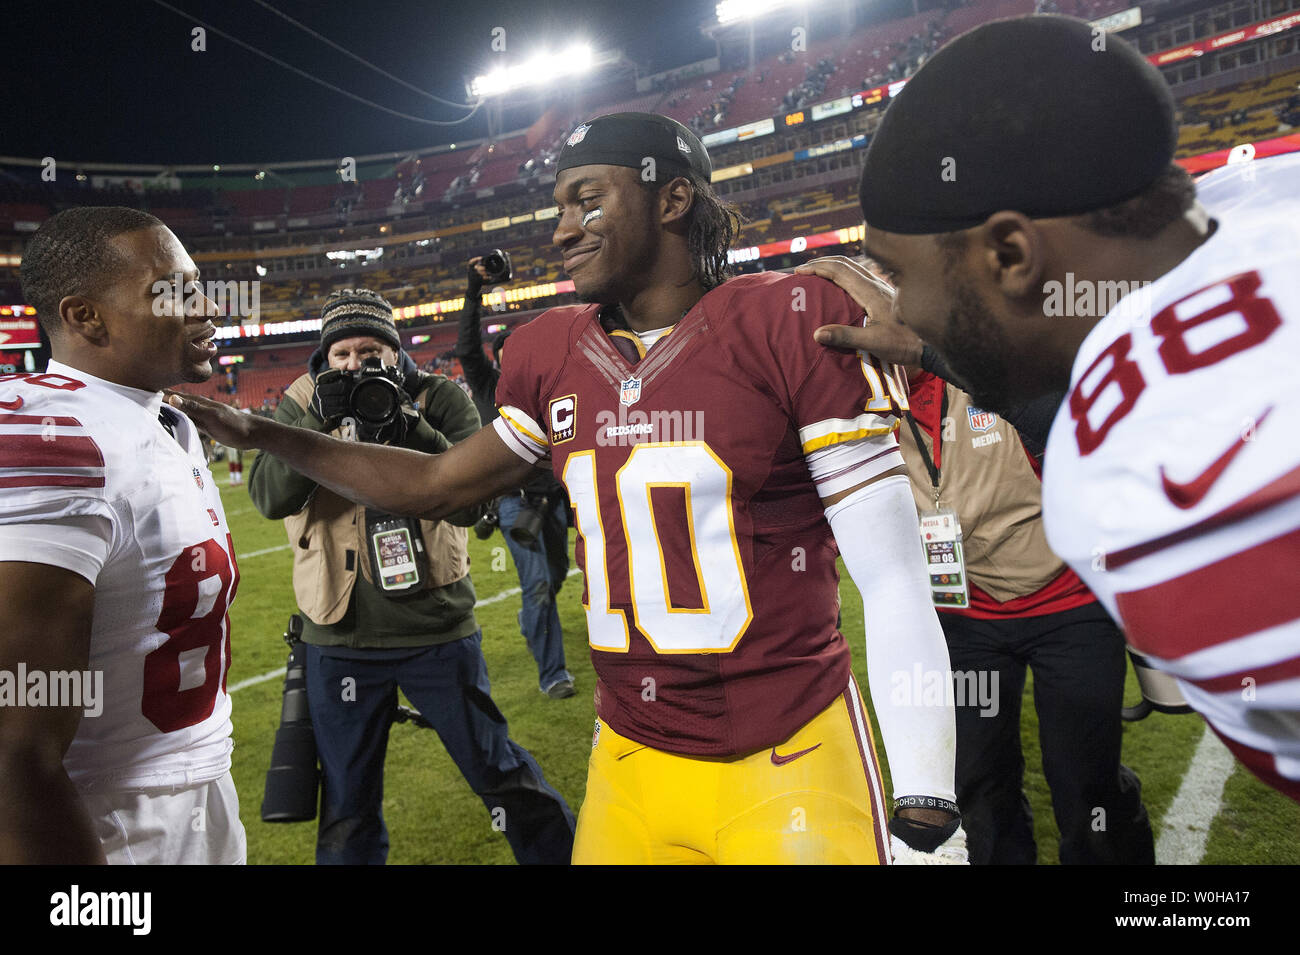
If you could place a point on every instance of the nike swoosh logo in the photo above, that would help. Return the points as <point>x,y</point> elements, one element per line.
<point>1188,494</point>
<point>782,760</point>
<point>12,405</point>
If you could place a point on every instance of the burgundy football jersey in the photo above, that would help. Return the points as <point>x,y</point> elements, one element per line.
<point>696,475</point>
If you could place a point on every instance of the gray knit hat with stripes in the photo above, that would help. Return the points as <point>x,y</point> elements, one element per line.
<point>349,312</point>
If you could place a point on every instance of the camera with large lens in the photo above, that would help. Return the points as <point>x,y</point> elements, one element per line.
<point>292,782</point>
<point>488,523</point>
<point>527,529</point>
<point>376,397</point>
<point>497,266</point>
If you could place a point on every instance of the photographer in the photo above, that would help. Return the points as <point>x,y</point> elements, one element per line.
<point>539,511</point>
<point>388,603</point>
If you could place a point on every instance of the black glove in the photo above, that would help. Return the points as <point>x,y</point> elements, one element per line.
<point>475,282</point>
<point>330,400</point>
<point>396,432</point>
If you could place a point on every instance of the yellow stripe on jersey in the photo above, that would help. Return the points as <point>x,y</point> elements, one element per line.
<point>823,434</point>
<point>524,425</point>
<point>632,337</point>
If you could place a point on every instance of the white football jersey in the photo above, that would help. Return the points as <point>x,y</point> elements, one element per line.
<point>91,480</point>
<point>1172,475</point>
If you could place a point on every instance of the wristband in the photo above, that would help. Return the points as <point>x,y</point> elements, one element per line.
<point>926,802</point>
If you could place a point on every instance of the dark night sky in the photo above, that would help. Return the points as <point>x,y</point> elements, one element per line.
<point>116,80</point>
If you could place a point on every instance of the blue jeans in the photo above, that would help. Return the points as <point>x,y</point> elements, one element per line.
<point>448,684</point>
<point>539,620</point>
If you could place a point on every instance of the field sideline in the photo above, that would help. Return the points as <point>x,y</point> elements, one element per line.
<point>433,817</point>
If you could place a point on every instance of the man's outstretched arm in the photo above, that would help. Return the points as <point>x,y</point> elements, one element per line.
<point>393,480</point>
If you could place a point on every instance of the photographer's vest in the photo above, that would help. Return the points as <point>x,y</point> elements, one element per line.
<point>986,477</point>
<point>329,542</point>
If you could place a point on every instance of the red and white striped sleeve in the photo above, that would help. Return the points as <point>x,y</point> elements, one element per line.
<point>1228,627</point>
<point>53,503</point>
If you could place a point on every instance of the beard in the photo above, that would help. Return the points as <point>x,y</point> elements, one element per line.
<point>974,347</point>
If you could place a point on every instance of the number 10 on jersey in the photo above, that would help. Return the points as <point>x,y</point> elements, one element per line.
<point>726,611</point>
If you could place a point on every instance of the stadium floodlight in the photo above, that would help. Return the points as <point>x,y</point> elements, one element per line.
<point>731,11</point>
<point>538,70</point>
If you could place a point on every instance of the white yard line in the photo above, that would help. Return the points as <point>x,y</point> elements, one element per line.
<point>254,680</point>
<point>513,592</point>
<point>259,553</point>
<point>279,671</point>
<point>1186,826</point>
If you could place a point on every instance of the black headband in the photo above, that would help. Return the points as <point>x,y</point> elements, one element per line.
<point>629,139</point>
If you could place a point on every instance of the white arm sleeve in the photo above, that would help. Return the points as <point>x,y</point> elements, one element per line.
<point>876,529</point>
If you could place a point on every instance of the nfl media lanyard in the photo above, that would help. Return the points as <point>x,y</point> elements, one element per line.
<point>941,529</point>
<point>930,466</point>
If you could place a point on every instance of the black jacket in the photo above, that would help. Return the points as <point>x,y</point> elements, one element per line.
<point>482,376</point>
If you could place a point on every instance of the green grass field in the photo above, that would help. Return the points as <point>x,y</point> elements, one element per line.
<point>432,815</point>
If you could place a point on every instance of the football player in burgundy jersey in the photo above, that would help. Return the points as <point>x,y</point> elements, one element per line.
<point>1068,262</point>
<point>717,459</point>
<point>116,565</point>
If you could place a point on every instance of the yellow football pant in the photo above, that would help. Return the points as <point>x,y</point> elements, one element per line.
<point>815,798</point>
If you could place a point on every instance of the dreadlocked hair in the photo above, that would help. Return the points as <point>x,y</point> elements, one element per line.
<point>713,224</point>
<point>71,254</point>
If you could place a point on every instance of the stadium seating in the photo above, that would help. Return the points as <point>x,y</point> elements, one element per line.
<point>1207,117</point>
<point>780,202</point>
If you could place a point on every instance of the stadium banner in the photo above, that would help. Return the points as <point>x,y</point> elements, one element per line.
<point>732,172</point>
<point>818,111</point>
<point>17,330</point>
<point>1123,20</point>
<point>1215,43</point>
<point>800,243</point>
<point>720,138</point>
<point>836,106</point>
<point>138,184</point>
<point>840,145</point>
<point>762,127</point>
<point>1243,151</point>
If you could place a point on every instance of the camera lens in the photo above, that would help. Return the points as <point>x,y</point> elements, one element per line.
<point>375,401</point>
<point>497,265</point>
<point>528,525</point>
